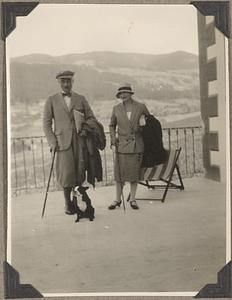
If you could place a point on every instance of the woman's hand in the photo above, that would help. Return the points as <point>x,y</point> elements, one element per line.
<point>142,121</point>
<point>53,148</point>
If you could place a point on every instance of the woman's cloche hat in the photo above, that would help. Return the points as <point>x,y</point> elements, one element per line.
<point>124,88</point>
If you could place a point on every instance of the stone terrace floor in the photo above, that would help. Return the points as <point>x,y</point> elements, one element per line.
<point>176,246</point>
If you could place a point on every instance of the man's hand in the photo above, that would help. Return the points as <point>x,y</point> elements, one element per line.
<point>83,133</point>
<point>53,148</point>
<point>114,142</point>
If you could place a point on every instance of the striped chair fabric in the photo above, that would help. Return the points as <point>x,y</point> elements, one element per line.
<point>162,171</point>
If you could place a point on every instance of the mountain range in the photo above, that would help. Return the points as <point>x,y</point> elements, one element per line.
<point>98,75</point>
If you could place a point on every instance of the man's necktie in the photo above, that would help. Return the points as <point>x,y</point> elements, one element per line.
<point>66,94</point>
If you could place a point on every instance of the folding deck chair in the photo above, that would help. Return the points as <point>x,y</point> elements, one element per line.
<point>163,172</point>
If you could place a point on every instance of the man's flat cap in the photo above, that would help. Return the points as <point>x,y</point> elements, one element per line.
<point>65,74</point>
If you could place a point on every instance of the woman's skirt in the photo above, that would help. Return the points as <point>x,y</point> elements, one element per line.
<point>127,167</point>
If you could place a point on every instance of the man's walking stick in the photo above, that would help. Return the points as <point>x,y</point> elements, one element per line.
<point>49,178</point>
<point>120,178</point>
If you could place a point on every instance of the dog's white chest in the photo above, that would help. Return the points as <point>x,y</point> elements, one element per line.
<point>81,204</point>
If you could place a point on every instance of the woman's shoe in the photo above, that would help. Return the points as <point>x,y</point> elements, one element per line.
<point>134,204</point>
<point>115,204</point>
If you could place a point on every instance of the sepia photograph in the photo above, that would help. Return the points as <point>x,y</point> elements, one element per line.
<point>118,150</point>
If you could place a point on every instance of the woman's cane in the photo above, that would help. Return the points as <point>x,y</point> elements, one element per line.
<point>49,178</point>
<point>120,177</point>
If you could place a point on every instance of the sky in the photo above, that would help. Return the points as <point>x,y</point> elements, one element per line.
<point>59,29</point>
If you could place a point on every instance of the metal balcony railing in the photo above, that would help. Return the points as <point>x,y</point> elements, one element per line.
<point>31,159</point>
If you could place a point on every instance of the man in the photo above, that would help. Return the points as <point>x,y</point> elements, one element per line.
<point>62,136</point>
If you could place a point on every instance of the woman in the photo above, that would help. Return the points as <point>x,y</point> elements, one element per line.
<point>129,146</point>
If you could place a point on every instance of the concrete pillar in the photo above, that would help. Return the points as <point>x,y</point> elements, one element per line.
<point>212,64</point>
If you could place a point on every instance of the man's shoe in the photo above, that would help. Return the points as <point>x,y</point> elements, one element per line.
<point>69,207</point>
<point>134,204</point>
<point>114,205</point>
<point>69,212</point>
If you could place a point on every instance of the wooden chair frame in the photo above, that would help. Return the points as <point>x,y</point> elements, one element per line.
<point>169,184</point>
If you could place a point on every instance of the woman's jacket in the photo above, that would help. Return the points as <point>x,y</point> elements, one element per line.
<point>129,131</point>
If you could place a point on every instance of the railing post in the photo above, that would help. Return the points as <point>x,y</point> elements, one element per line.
<point>169,138</point>
<point>113,155</point>
<point>24,165</point>
<point>15,163</point>
<point>185,150</point>
<point>33,161</point>
<point>105,165</point>
<point>193,143</point>
<point>177,138</point>
<point>177,143</point>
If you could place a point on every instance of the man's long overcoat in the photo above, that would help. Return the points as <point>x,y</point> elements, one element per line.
<point>59,126</point>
